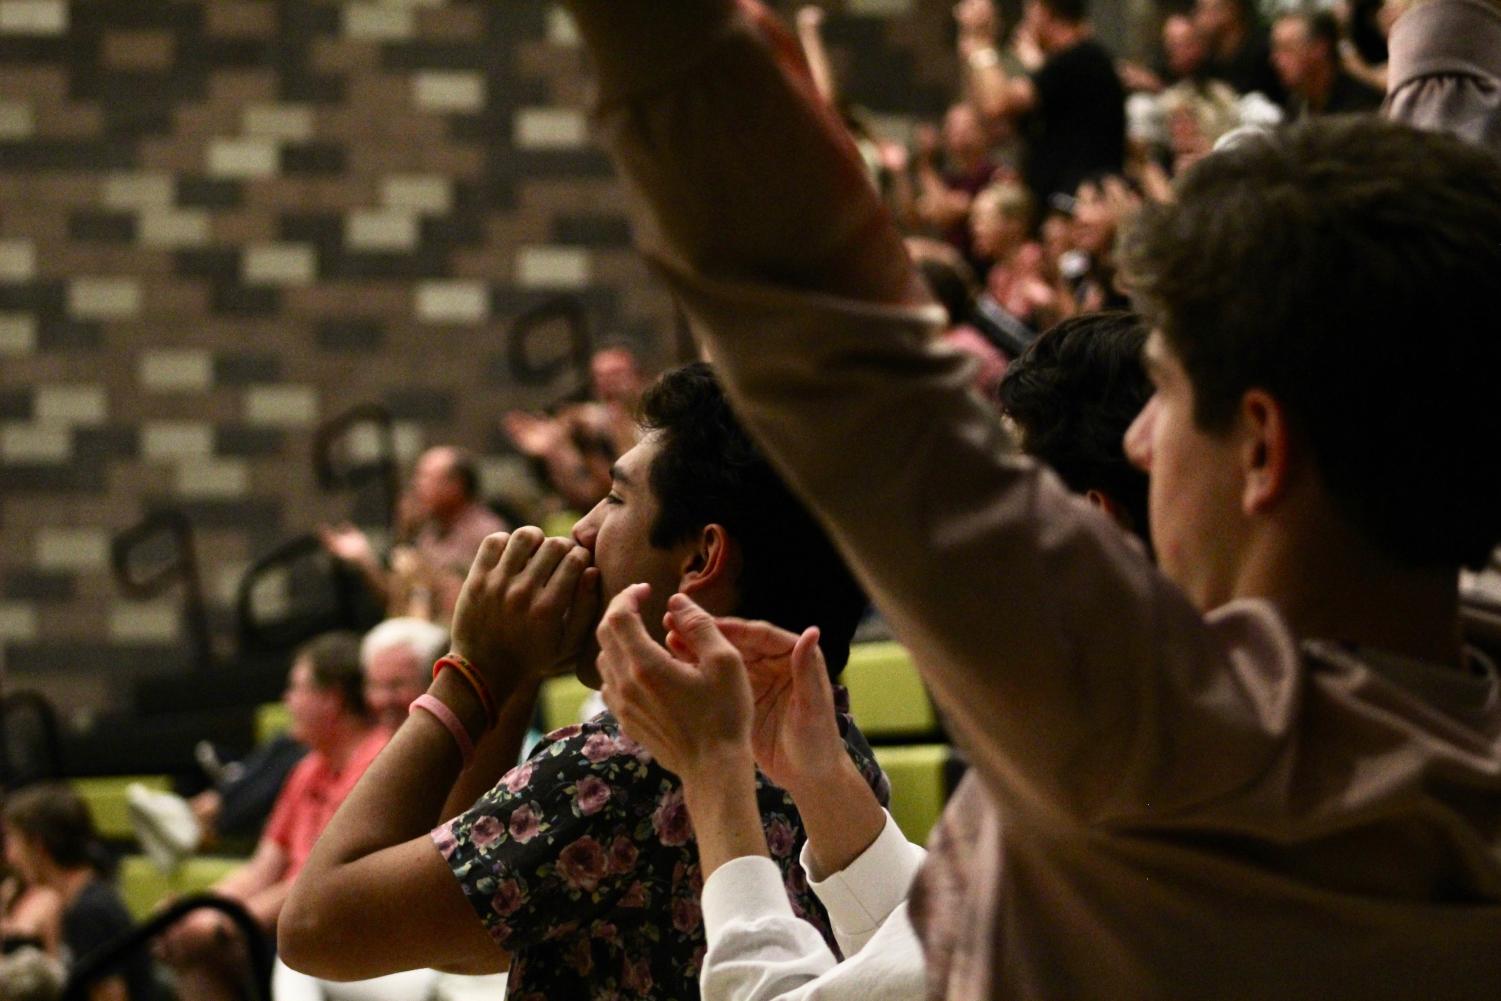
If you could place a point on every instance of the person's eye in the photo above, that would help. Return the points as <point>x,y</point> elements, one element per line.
<point>613,498</point>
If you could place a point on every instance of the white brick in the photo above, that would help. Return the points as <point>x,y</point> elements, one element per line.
<point>17,120</point>
<point>550,128</point>
<point>243,158</point>
<point>213,478</point>
<point>379,22</point>
<point>33,17</point>
<point>430,193</point>
<point>172,440</point>
<point>17,334</point>
<point>104,298</point>
<point>17,261</point>
<point>380,230</point>
<point>281,406</point>
<point>452,301</point>
<point>280,264</point>
<point>408,440</point>
<point>70,404</point>
<point>271,597</point>
<point>138,191</point>
<point>50,443</point>
<point>18,622</point>
<point>561,30</point>
<point>290,122</point>
<point>552,267</point>
<point>144,622</point>
<point>168,228</point>
<point>165,370</point>
<point>72,549</point>
<point>440,91</point>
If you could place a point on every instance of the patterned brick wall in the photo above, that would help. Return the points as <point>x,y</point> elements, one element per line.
<point>225,221</point>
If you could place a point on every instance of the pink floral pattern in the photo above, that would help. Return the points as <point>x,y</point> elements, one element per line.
<point>582,864</point>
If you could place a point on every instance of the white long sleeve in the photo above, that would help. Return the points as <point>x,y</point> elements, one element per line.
<point>760,951</point>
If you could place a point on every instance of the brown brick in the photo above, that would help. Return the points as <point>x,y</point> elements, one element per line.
<point>237,19</point>
<point>138,50</point>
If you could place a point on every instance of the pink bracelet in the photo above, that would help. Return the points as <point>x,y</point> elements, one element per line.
<point>450,722</point>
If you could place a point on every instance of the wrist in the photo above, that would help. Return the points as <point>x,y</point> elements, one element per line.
<point>823,771</point>
<point>453,691</point>
<point>718,769</point>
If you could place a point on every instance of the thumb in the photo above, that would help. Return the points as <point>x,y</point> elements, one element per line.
<point>698,631</point>
<point>810,674</point>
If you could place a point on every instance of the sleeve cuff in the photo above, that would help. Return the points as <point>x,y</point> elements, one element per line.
<point>863,894</point>
<point>750,886</point>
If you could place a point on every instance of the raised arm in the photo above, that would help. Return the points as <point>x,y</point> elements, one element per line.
<point>376,896</point>
<point>1050,645</point>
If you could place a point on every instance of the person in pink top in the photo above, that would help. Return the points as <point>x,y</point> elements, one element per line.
<point>326,701</point>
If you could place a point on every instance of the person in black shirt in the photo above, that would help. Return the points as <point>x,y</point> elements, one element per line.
<point>49,839</point>
<point>1072,104</point>
<point>1305,50</point>
<point>1239,53</point>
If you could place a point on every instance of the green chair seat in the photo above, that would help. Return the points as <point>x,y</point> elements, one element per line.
<point>143,886</point>
<point>105,796</point>
<point>562,700</point>
<point>919,785</point>
<point>887,696</point>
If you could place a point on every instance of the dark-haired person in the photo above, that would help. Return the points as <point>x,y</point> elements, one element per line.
<point>1072,105</point>
<point>1305,51</point>
<point>440,524</point>
<point>1270,768</point>
<point>1239,51</point>
<point>325,700</point>
<point>50,840</point>
<point>579,869</point>
<point>1070,398</point>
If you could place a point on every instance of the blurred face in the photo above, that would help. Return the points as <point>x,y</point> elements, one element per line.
<point>313,709</point>
<point>962,136</point>
<point>1213,17</point>
<point>434,487</point>
<point>1294,54</point>
<point>615,377</point>
<point>1194,492</point>
<point>20,853</point>
<point>1094,220</point>
<point>618,533</point>
<point>995,233</point>
<point>393,678</point>
<point>1182,46</point>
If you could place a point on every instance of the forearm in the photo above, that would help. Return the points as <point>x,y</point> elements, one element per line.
<point>840,814</point>
<point>721,798</point>
<point>734,210</point>
<point>495,753</point>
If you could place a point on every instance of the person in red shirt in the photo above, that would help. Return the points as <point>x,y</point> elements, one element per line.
<point>326,701</point>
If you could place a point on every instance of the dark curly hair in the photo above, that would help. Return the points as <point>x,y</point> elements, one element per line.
<point>709,471</point>
<point>1073,393</point>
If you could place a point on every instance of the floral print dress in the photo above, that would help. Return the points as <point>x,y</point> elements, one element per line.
<point>581,864</point>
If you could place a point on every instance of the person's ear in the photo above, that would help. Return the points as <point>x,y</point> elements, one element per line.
<point>1108,504</point>
<point>1266,451</point>
<point>712,565</point>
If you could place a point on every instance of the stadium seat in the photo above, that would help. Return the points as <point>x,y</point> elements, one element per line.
<point>143,886</point>
<point>561,701</point>
<point>920,776</point>
<point>105,796</point>
<point>271,721</point>
<point>887,697</point>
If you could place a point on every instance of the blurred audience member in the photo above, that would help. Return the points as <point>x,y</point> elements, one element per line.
<point>578,444</point>
<point>1305,52</point>
<point>50,841</point>
<point>950,172</point>
<point>326,702</point>
<point>1072,103</point>
<point>30,914</point>
<point>29,974</point>
<point>440,524</point>
<point>1239,53</point>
